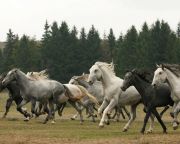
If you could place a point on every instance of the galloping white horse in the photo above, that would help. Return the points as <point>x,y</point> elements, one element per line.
<point>104,72</point>
<point>170,73</point>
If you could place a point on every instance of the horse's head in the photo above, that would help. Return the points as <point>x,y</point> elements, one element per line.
<point>73,80</point>
<point>160,75</point>
<point>2,76</point>
<point>95,74</point>
<point>11,76</point>
<point>128,80</point>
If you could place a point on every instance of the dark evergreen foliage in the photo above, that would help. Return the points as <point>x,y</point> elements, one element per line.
<point>65,52</point>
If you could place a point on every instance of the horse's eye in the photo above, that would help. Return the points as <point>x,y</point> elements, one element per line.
<point>160,73</point>
<point>95,70</point>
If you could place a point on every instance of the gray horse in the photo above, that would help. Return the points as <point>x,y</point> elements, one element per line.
<point>35,90</point>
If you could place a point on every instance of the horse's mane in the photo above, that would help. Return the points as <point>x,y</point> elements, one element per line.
<point>37,75</point>
<point>81,77</point>
<point>143,74</point>
<point>174,68</point>
<point>110,66</point>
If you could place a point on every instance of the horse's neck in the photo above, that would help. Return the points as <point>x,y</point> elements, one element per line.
<point>140,85</point>
<point>172,80</point>
<point>83,83</point>
<point>107,78</point>
<point>22,81</point>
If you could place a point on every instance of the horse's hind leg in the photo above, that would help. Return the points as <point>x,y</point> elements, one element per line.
<point>127,112</point>
<point>78,110</point>
<point>148,113</point>
<point>8,105</point>
<point>164,110</point>
<point>132,118</point>
<point>60,110</point>
<point>51,114</point>
<point>150,130</point>
<point>154,111</point>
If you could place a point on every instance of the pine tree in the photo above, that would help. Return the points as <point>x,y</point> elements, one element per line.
<point>93,43</point>
<point>23,54</point>
<point>8,50</point>
<point>178,30</point>
<point>112,43</point>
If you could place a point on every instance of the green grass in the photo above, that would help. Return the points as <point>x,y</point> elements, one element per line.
<point>14,130</point>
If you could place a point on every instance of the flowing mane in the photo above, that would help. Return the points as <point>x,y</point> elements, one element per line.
<point>174,68</point>
<point>37,75</point>
<point>110,66</point>
<point>143,75</point>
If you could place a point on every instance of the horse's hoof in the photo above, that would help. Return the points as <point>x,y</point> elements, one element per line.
<point>27,119</point>
<point>107,123</point>
<point>53,122</point>
<point>149,131</point>
<point>164,132</point>
<point>72,118</point>
<point>125,130</point>
<point>142,132</point>
<point>101,126</point>
<point>175,126</point>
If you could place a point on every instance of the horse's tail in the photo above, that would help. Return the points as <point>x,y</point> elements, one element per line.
<point>68,92</point>
<point>86,93</point>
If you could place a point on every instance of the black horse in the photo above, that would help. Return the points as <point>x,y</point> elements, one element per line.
<point>151,97</point>
<point>14,95</point>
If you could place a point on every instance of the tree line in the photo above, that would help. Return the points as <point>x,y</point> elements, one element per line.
<point>66,52</point>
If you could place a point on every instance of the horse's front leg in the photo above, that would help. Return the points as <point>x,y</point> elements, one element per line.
<point>111,105</point>
<point>102,107</point>
<point>19,108</point>
<point>132,117</point>
<point>175,111</point>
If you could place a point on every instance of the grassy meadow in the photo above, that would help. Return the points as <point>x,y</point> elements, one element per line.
<point>13,130</point>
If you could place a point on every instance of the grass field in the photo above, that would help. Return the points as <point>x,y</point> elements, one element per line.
<point>13,130</point>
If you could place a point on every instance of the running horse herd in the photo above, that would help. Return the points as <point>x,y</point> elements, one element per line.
<point>100,90</point>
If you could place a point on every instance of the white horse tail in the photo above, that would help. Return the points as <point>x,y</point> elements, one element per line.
<point>86,93</point>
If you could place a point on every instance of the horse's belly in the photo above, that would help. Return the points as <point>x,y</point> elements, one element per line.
<point>62,98</point>
<point>129,99</point>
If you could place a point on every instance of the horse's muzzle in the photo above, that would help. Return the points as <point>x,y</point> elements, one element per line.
<point>123,88</point>
<point>90,82</point>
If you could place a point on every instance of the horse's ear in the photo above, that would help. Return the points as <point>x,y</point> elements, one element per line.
<point>83,74</point>
<point>158,66</point>
<point>162,66</point>
<point>134,71</point>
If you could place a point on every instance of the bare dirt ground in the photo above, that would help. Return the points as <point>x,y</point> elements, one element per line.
<point>13,130</point>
